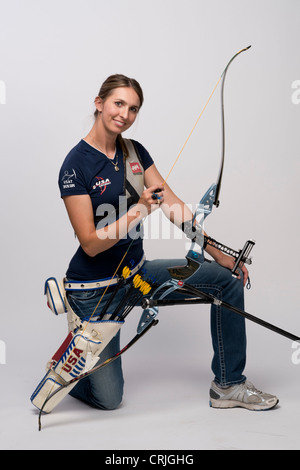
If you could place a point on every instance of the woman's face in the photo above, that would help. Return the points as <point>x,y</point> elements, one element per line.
<point>118,110</point>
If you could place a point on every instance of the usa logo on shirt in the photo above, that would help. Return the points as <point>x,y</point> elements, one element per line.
<point>135,168</point>
<point>101,184</point>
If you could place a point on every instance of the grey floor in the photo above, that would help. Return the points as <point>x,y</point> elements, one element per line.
<point>166,401</point>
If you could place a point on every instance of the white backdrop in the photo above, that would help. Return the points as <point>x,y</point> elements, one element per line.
<point>53,58</point>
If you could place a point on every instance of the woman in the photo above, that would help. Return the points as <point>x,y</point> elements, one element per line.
<point>94,178</point>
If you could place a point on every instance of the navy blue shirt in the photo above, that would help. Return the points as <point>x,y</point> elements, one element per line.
<point>86,170</point>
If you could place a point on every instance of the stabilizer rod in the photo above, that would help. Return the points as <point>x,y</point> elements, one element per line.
<point>203,297</point>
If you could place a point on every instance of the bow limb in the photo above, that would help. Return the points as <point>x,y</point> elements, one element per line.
<point>219,180</point>
<point>211,197</point>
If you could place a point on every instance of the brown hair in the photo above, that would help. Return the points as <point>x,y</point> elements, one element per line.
<point>117,81</point>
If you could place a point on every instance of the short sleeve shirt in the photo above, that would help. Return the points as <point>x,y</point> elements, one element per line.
<point>86,170</point>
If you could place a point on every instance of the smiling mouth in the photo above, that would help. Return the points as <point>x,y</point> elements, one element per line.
<point>119,123</point>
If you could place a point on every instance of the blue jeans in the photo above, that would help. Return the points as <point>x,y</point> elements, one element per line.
<point>104,388</point>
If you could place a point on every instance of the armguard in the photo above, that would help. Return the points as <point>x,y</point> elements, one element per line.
<point>78,353</point>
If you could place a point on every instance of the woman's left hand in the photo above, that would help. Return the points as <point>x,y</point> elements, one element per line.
<point>228,262</point>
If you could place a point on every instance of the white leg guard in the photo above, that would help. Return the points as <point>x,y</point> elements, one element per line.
<point>79,353</point>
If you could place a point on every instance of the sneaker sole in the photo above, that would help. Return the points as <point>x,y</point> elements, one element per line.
<point>225,404</point>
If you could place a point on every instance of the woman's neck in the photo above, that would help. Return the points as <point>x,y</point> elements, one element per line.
<point>105,143</point>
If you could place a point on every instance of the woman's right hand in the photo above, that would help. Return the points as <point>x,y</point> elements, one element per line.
<point>151,199</point>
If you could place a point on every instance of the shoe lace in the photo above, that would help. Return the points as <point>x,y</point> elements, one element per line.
<point>251,387</point>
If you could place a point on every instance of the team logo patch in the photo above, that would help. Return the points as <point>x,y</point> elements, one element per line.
<point>101,183</point>
<point>68,179</point>
<point>135,168</point>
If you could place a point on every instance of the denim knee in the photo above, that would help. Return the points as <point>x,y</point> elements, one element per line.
<point>109,403</point>
<point>102,399</point>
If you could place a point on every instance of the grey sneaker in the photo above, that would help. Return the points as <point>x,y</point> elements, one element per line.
<point>243,395</point>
